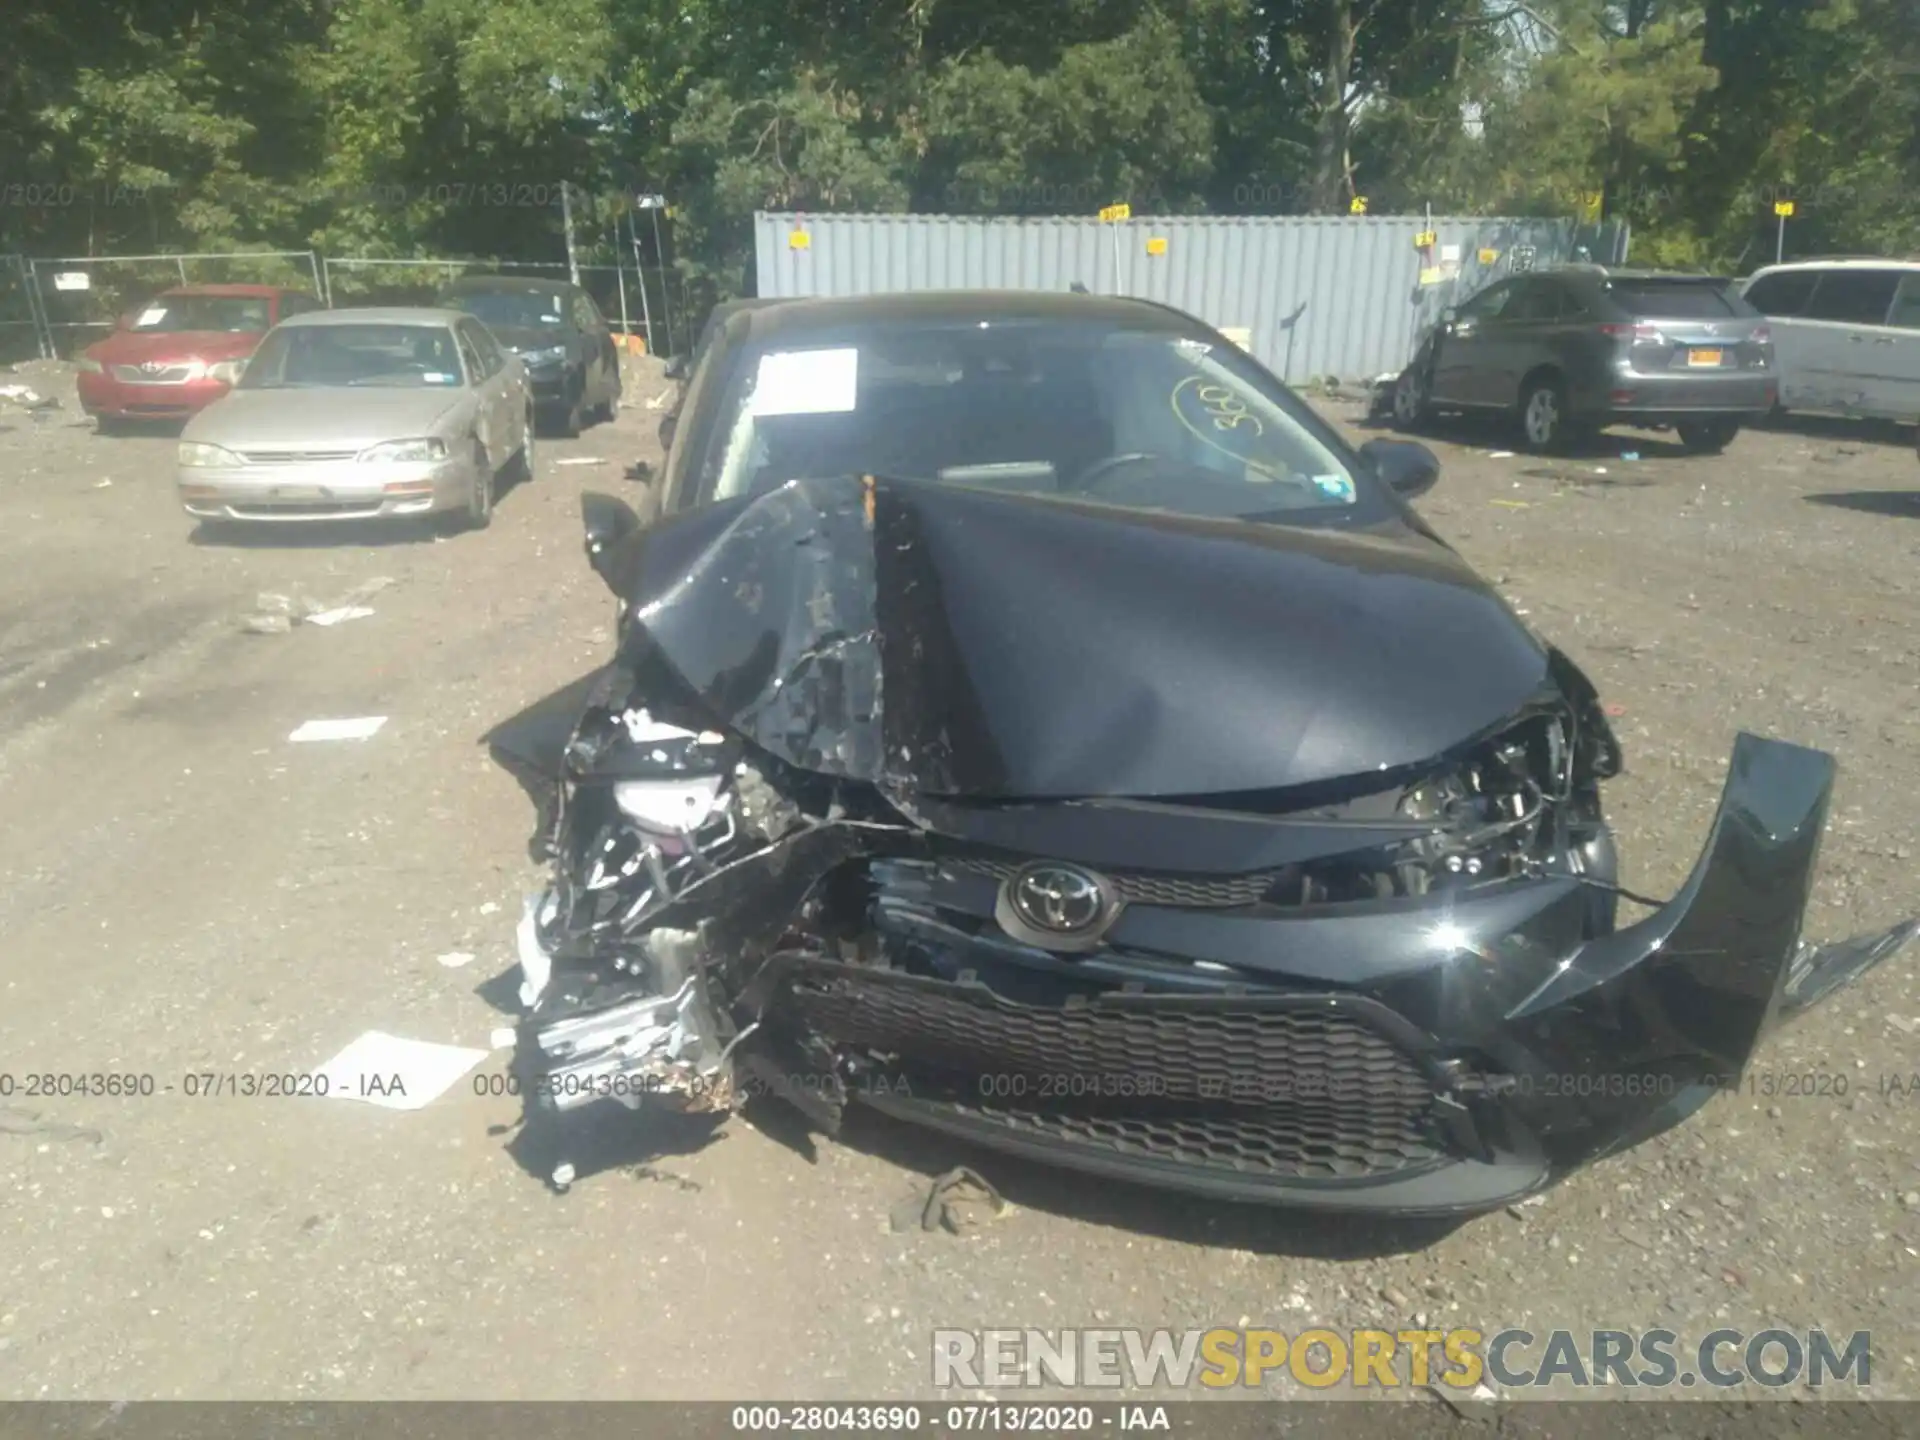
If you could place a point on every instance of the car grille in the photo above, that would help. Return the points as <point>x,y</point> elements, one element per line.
<point>170,375</point>
<point>1139,887</point>
<point>295,457</point>
<point>1283,1087</point>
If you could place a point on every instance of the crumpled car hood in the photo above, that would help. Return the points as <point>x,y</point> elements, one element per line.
<point>949,641</point>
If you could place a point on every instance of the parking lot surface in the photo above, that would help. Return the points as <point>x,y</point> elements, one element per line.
<point>184,892</point>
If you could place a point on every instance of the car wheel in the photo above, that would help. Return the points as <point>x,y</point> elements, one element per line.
<point>1543,414</point>
<point>1707,437</point>
<point>610,411</point>
<point>572,416</point>
<point>523,460</point>
<point>1409,400</point>
<point>478,514</point>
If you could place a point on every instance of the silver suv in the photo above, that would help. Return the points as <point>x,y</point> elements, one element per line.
<point>1570,351</point>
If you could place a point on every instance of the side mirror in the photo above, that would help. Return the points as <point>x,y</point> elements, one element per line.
<point>676,367</point>
<point>607,523</point>
<point>1408,467</point>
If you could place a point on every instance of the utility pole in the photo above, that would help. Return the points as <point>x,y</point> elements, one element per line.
<point>566,219</point>
<point>640,269</point>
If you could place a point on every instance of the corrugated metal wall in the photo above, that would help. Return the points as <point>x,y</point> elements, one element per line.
<point>1319,295</point>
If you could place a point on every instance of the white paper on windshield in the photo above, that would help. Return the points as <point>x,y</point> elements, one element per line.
<point>807,382</point>
<point>153,316</point>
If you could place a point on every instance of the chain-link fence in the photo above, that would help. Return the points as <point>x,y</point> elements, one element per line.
<point>630,300</point>
<point>81,297</point>
<point>22,334</point>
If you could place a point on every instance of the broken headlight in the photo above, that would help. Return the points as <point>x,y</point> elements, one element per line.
<point>1490,816</point>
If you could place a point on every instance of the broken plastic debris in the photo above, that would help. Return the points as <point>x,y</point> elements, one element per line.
<point>334,617</point>
<point>1499,454</point>
<point>957,1202</point>
<point>536,965</point>
<point>454,959</point>
<point>502,1037</point>
<point>581,460</point>
<point>395,1073</point>
<point>267,624</point>
<point>364,728</point>
<point>1629,454</point>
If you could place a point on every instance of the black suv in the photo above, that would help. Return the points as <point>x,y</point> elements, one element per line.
<point>560,335</point>
<point>1569,351</point>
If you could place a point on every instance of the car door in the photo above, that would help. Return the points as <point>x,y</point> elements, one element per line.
<point>1461,350</point>
<point>1519,339</point>
<point>1846,342</point>
<point>508,379</point>
<point>1781,296</point>
<point>1897,356</point>
<point>491,423</point>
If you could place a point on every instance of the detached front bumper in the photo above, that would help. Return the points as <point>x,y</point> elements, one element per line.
<point>337,490</point>
<point>1408,1060</point>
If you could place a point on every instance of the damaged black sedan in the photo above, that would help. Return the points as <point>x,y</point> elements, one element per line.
<point>1029,719</point>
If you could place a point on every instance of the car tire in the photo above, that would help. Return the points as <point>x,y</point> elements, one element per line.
<point>1707,437</point>
<point>522,464</point>
<point>477,513</point>
<point>1411,408</point>
<point>572,416</point>
<point>610,411</point>
<point>1543,414</point>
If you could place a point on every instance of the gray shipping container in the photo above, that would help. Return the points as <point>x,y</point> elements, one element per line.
<point>1314,295</point>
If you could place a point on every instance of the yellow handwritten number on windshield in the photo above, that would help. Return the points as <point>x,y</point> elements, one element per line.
<point>1228,410</point>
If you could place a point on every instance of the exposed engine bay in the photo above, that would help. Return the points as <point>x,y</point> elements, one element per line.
<point>825,832</point>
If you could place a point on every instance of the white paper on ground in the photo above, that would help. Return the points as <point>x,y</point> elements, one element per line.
<point>395,1073</point>
<point>454,959</point>
<point>334,617</point>
<point>503,1037</point>
<point>361,729</point>
<point>581,460</point>
<point>807,382</point>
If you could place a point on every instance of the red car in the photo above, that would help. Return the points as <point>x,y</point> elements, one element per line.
<point>178,353</point>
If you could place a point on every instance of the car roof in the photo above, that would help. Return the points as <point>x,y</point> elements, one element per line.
<point>380,315</point>
<point>1844,262</point>
<point>796,318</point>
<point>249,292</point>
<point>505,282</point>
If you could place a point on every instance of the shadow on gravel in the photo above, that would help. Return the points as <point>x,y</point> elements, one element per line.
<point>1899,504</point>
<point>1832,427</point>
<point>309,534</point>
<point>922,1154</point>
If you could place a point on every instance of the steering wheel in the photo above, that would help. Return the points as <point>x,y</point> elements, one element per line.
<point>1090,477</point>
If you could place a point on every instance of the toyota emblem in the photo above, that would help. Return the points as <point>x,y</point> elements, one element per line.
<point>153,367</point>
<point>1057,906</point>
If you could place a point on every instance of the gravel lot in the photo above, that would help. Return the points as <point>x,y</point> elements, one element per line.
<point>182,890</point>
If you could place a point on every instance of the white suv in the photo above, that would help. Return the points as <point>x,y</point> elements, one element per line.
<point>1846,335</point>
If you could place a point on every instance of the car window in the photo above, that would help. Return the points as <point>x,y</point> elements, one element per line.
<point>534,308</point>
<point>1783,293</point>
<point>1488,303</point>
<point>372,355</point>
<point>1853,296</point>
<point>470,355</point>
<point>1537,300</point>
<point>174,314</point>
<point>1673,299</point>
<point>492,358</point>
<point>1143,419</point>
<point>293,303</point>
<point>1905,314</point>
